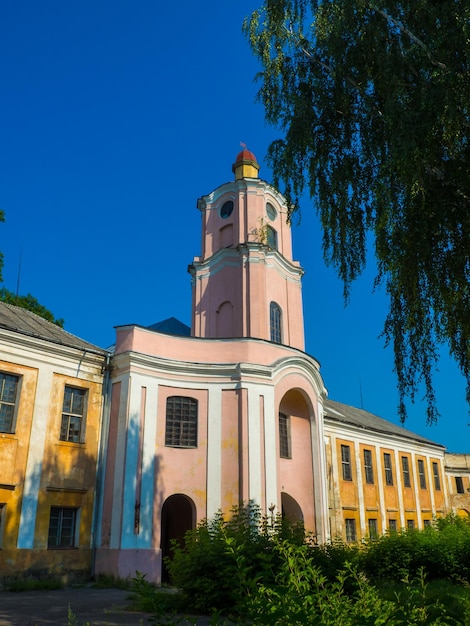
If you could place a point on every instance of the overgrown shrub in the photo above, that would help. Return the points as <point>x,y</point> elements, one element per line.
<point>207,567</point>
<point>442,550</point>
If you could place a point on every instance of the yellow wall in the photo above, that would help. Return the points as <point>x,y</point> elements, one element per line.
<point>67,474</point>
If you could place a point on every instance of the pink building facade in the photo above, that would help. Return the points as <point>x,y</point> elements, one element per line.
<point>231,413</point>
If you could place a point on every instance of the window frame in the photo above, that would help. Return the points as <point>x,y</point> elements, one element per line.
<point>421,474</point>
<point>271,237</point>
<point>66,434</point>
<point>350,529</point>
<point>181,431</point>
<point>410,524</point>
<point>60,531</point>
<point>3,516</point>
<point>9,422</point>
<point>406,471</point>
<point>346,462</point>
<point>275,322</point>
<point>373,527</point>
<point>388,469</point>
<point>392,525</point>
<point>368,466</point>
<point>285,443</point>
<point>436,477</point>
<point>459,484</point>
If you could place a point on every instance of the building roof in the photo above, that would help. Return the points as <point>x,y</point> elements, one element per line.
<point>346,414</point>
<point>171,326</point>
<point>25,322</point>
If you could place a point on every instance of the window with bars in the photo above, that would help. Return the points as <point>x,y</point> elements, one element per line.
<point>405,466</point>
<point>2,521</point>
<point>368,467</point>
<point>181,422</point>
<point>72,425</point>
<point>351,535</point>
<point>435,473</point>
<point>346,462</point>
<point>8,398</point>
<point>421,474</point>
<point>271,237</point>
<point>373,528</point>
<point>275,321</point>
<point>62,527</point>
<point>285,451</point>
<point>388,469</point>
<point>410,524</point>
<point>392,525</point>
<point>459,484</point>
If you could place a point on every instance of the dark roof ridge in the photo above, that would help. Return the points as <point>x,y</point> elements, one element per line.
<point>26,322</point>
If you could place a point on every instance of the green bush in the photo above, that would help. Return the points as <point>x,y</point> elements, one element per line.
<point>219,553</point>
<point>258,570</point>
<point>442,550</point>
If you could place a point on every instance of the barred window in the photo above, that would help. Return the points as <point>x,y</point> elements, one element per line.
<point>421,474</point>
<point>8,398</point>
<point>73,415</point>
<point>62,525</point>
<point>275,319</point>
<point>392,525</point>
<point>181,422</point>
<point>373,528</point>
<point>388,469</point>
<point>437,480</point>
<point>350,530</point>
<point>368,467</point>
<point>271,237</point>
<point>405,466</point>
<point>346,462</point>
<point>284,437</point>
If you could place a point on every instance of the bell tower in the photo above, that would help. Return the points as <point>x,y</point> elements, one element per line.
<point>245,283</point>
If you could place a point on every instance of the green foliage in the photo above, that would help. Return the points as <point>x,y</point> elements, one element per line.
<point>257,570</point>
<point>442,551</point>
<point>108,581</point>
<point>372,100</point>
<point>302,595</point>
<point>33,584</point>
<point>31,304</point>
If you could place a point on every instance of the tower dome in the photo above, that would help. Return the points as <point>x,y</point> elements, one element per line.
<point>246,165</point>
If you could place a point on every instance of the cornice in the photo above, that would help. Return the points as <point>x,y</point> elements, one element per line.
<point>249,252</point>
<point>341,427</point>
<point>27,343</point>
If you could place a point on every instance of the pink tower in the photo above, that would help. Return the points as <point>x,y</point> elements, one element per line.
<point>245,283</point>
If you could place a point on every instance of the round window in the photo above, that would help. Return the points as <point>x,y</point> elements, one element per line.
<point>226,210</point>
<point>271,211</point>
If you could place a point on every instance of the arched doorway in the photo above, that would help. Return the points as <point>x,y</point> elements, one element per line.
<point>291,509</point>
<point>178,516</point>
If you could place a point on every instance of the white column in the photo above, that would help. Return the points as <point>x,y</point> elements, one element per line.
<point>214,451</point>
<point>39,425</point>
<point>254,445</point>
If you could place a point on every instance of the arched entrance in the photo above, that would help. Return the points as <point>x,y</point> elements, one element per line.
<point>178,516</point>
<point>291,509</point>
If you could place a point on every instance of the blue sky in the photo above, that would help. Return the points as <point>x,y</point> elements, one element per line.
<point>116,116</point>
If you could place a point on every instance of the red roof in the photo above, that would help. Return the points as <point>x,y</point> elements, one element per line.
<point>245,155</point>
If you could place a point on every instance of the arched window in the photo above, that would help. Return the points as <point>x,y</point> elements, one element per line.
<point>275,320</point>
<point>181,422</point>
